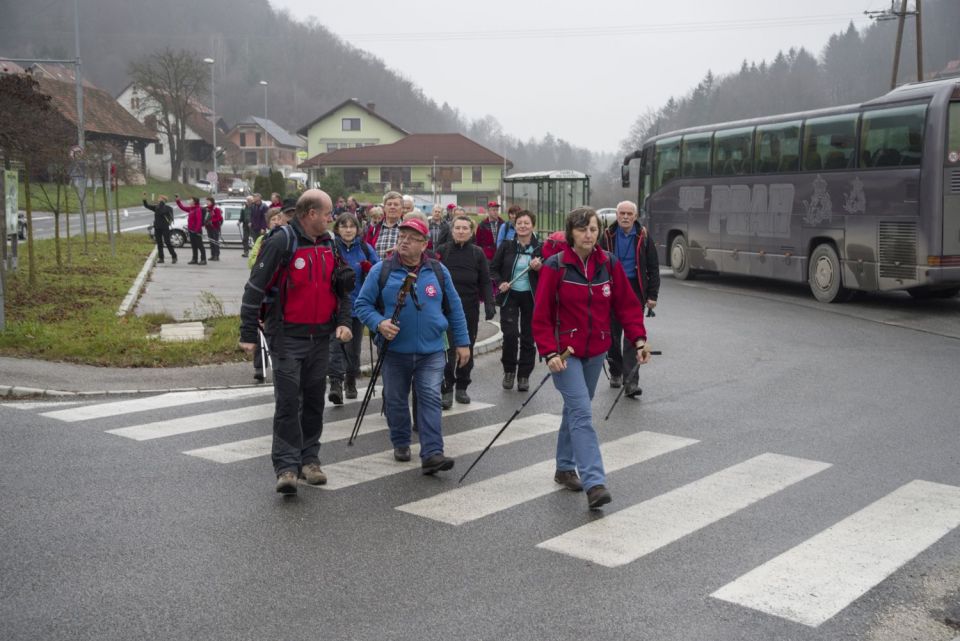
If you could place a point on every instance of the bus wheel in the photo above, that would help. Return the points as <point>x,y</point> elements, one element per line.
<point>680,258</point>
<point>825,276</point>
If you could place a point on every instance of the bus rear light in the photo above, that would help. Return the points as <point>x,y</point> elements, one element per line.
<point>943,261</point>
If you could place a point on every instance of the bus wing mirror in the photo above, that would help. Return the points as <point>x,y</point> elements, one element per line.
<point>625,176</point>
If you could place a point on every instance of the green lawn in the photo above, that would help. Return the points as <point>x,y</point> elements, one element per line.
<point>70,313</point>
<point>130,195</point>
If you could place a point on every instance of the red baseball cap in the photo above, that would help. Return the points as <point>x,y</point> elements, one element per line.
<point>493,203</point>
<point>416,225</point>
<point>451,206</point>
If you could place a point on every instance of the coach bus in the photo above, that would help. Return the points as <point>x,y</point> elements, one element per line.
<point>861,197</point>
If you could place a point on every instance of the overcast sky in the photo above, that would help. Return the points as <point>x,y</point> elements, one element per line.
<point>582,71</point>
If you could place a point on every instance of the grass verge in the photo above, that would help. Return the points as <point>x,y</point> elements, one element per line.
<point>130,195</point>
<point>70,313</point>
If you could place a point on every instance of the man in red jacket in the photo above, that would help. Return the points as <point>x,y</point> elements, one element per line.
<point>487,230</point>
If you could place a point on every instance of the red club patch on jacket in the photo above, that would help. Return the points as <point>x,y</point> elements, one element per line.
<point>606,290</point>
<point>430,290</point>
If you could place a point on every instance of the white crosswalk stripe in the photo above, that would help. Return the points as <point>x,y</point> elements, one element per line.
<point>629,534</point>
<point>37,405</point>
<point>472,502</point>
<point>814,581</point>
<point>380,465</point>
<point>338,430</point>
<point>208,421</point>
<point>170,399</point>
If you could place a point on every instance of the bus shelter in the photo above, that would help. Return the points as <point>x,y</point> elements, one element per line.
<point>551,195</point>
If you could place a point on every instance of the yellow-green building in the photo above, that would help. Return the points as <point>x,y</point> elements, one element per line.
<point>349,125</point>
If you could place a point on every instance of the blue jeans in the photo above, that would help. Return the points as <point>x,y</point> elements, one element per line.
<point>577,444</point>
<point>426,373</point>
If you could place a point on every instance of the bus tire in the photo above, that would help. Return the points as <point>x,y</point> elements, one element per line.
<point>825,275</point>
<point>680,258</point>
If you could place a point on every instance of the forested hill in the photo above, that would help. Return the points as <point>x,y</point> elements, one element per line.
<point>310,69</point>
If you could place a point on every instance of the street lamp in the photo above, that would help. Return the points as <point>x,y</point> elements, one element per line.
<point>264,83</point>
<point>213,107</point>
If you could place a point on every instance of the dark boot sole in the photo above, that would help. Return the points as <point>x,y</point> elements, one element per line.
<point>287,490</point>
<point>599,502</point>
<point>442,467</point>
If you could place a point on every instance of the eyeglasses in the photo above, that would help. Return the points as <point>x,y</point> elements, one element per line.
<point>404,237</point>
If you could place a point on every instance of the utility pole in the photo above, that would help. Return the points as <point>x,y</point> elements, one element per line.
<point>901,16</point>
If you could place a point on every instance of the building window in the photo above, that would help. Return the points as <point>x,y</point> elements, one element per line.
<point>478,174</point>
<point>350,124</point>
<point>158,149</point>
<point>250,158</point>
<point>258,140</point>
<point>243,140</point>
<point>332,146</point>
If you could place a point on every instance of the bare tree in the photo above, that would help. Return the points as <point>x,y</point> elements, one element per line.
<point>173,81</point>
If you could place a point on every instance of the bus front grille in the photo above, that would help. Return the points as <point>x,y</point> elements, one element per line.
<point>898,250</point>
<point>955,181</point>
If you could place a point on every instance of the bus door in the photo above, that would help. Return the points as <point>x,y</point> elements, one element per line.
<point>951,185</point>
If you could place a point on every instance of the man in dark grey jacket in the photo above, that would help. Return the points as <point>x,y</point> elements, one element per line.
<point>162,219</point>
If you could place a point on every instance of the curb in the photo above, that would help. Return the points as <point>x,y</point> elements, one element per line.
<point>485,346</point>
<point>138,284</point>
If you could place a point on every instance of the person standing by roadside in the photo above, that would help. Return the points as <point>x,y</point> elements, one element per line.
<point>258,216</point>
<point>629,241</point>
<point>194,229</point>
<point>212,222</point>
<point>581,290</point>
<point>488,229</point>
<point>516,265</point>
<point>345,358</point>
<point>245,215</point>
<point>416,353</point>
<point>162,219</point>
<point>471,278</point>
<point>312,301</point>
<point>383,235</point>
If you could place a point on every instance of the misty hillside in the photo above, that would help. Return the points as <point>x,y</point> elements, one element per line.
<point>310,69</point>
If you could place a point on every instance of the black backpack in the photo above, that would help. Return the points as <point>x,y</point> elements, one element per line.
<point>435,265</point>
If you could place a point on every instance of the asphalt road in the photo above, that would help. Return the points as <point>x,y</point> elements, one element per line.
<point>791,473</point>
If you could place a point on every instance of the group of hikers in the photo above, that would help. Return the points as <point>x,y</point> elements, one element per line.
<point>324,272</point>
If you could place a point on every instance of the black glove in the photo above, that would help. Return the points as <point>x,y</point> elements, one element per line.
<point>489,311</point>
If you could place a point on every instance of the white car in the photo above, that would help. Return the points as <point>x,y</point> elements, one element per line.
<point>204,185</point>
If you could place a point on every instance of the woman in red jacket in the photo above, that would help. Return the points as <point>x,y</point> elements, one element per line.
<point>579,291</point>
<point>212,222</point>
<point>195,228</point>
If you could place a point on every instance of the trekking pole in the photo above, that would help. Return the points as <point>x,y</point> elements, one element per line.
<point>567,352</point>
<point>370,337</point>
<point>265,360</point>
<point>408,283</point>
<point>629,377</point>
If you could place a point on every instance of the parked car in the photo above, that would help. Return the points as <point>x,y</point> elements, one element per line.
<point>607,216</point>
<point>238,188</point>
<point>204,185</point>
<point>231,234</point>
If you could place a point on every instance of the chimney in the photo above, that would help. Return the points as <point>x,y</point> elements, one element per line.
<point>372,106</point>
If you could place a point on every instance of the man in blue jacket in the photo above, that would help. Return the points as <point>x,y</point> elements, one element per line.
<point>416,353</point>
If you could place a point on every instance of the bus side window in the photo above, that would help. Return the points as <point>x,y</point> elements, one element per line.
<point>892,137</point>
<point>666,161</point>
<point>731,152</point>
<point>778,147</point>
<point>828,142</point>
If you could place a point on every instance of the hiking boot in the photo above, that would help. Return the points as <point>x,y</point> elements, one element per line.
<point>569,480</point>
<point>508,380</point>
<point>160,261</point>
<point>336,393</point>
<point>632,390</point>
<point>192,262</point>
<point>245,254</point>
<point>350,386</point>
<point>313,475</point>
<point>202,262</point>
<point>287,483</point>
<point>173,259</point>
<point>523,384</point>
<point>462,397</point>
<point>401,454</point>
<point>616,380</point>
<point>598,496</point>
<point>436,463</point>
<point>258,376</point>
<point>446,399</point>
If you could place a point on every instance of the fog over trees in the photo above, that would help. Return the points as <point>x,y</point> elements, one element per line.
<point>310,70</point>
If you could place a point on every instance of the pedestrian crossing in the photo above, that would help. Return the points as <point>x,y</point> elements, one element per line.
<point>808,584</point>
